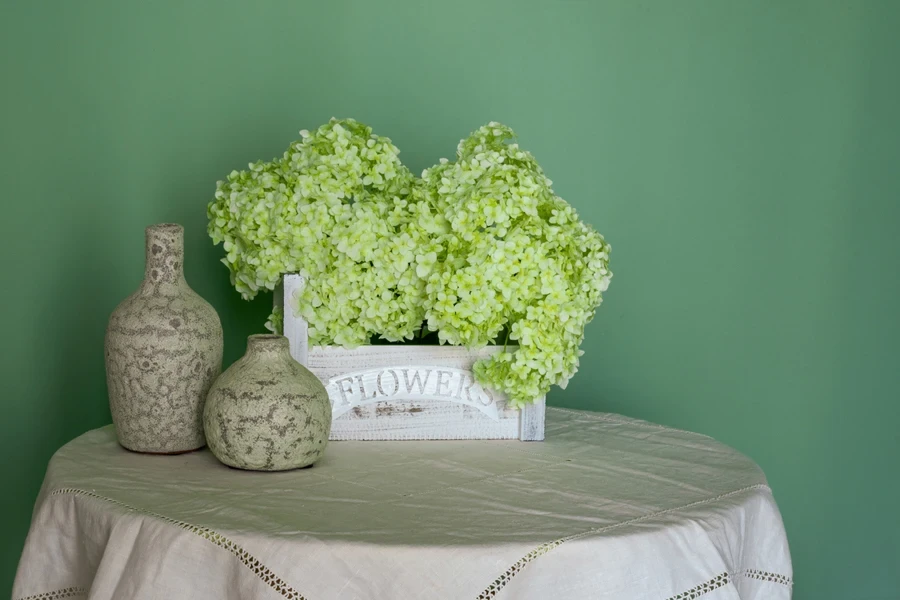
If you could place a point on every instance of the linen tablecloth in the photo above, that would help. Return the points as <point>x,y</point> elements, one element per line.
<point>606,508</point>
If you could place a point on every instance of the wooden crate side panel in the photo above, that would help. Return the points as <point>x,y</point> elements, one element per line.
<point>296,329</point>
<point>336,359</point>
<point>429,420</point>
<point>531,422</point>
<point>401,416</point>
<point>410,418</point>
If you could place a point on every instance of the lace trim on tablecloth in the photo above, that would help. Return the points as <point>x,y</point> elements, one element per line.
<point>280,586</point>
<point>723,579</point>
<point>69,592</point>
<point>765,576</point>
<point>498,584</point>
<point>249,561</point>
<point>707,586</point>
<point>695,592</point>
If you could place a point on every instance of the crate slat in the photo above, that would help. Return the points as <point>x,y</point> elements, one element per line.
<point>407,392</point>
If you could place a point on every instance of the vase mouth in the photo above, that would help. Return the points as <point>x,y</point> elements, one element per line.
<point>165,227</point>
<point>266,341</point>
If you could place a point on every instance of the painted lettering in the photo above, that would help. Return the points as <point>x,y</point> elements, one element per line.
<point>344,391</point>
<point>416,380</point>
<point>459,388</point>
<point>414,383</point>
<point>486,395</point>
<point>470,384</point>
<point>396,387</point>
<point>441,383</point>
<point>362,389</point>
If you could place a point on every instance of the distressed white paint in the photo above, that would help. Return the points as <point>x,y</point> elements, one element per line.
<point>411,383</point>
<point>432,407</point>
<point>531,422</point>
<point>295,328</point>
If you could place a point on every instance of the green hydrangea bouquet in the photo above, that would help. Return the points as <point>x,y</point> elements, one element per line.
<point>477,251</point>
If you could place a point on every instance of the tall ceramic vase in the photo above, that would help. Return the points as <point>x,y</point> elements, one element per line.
<point>163,352</point>
<point>267,412</point>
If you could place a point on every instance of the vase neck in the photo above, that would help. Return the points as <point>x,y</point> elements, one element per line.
<point>266,345</point>
<point>165,255</point>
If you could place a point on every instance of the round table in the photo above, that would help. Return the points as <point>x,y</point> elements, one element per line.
<point>607,507</point>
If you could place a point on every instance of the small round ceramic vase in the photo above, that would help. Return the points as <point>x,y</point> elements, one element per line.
<point>267,412</point>
<point>163,351</point>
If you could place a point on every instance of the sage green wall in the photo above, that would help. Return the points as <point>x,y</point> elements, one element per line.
<point>741,157</point>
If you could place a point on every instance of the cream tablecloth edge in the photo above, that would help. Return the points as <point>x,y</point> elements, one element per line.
<point>283,590</point>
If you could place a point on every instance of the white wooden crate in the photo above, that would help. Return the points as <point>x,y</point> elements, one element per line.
<point>408,392</point>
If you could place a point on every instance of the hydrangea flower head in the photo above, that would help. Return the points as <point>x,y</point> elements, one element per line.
<point>516,262</point>
<point>480,250</point>
<point>334,208</point>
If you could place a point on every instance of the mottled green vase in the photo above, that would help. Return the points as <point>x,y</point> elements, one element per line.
<point>163,351</point>
<point>267,412</point>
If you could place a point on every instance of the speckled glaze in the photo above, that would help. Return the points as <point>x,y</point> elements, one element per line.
<point>267,412</point>
<point>163,351</point>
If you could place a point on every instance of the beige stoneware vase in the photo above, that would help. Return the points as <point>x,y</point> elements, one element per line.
<point>163,351</point>
<point>267,412</point>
